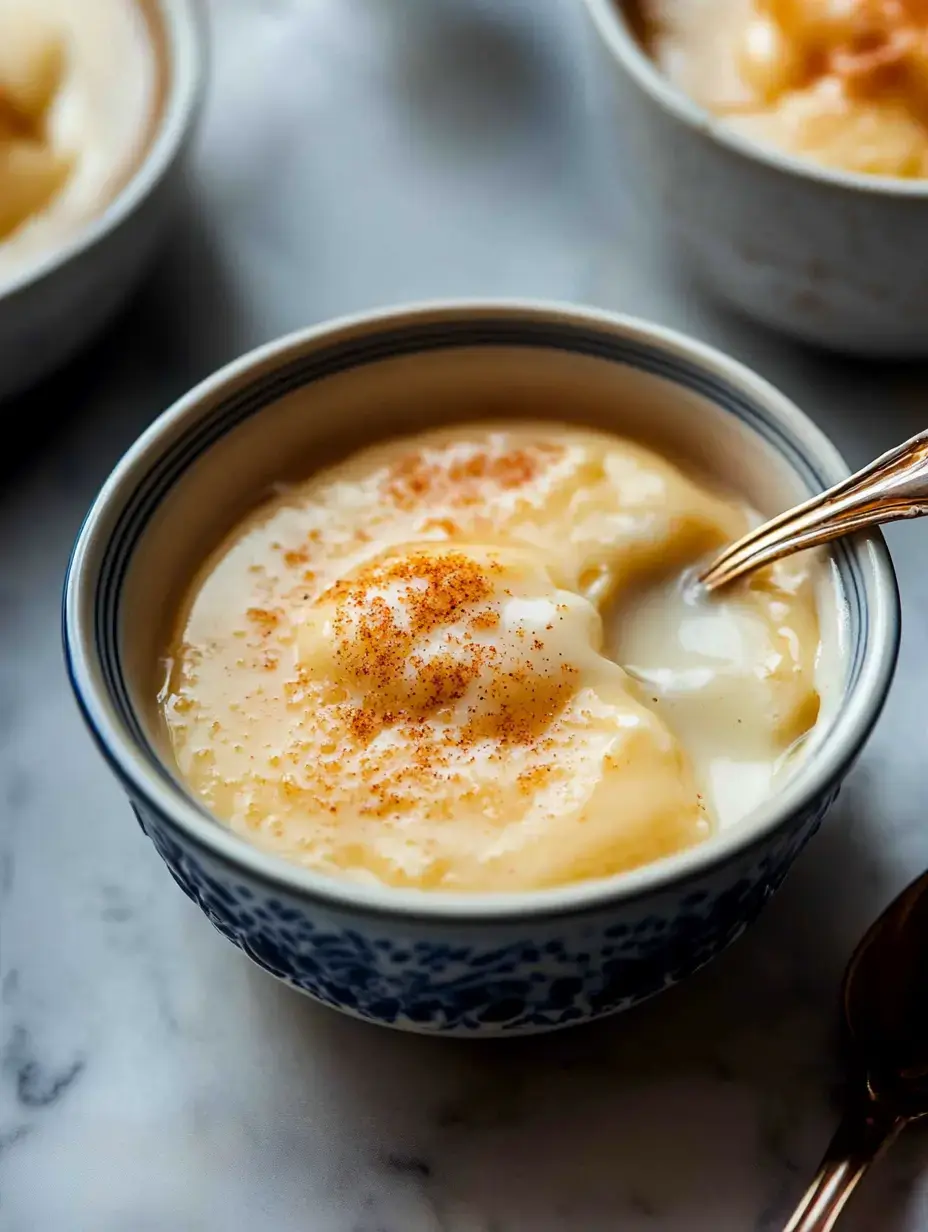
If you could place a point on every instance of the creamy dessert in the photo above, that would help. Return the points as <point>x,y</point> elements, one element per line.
<point>470,660</point>
<point>79,93</point>
<point>843,82</point>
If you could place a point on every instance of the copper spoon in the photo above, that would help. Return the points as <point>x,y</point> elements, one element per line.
<point>885,1001</point>
<point>894,486</point>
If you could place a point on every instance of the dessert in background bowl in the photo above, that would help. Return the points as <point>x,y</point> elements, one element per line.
<point>786,147</point>
<point>842,82</point>
<point>97,101</point>
<point>80,93</point>
<point>363,669</point>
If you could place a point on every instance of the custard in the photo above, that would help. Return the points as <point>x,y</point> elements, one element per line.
<point>842,82</point>
<point>466,661</point>
<point>79,91</point>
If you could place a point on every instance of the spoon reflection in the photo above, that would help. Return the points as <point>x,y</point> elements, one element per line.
<point>894,486</point>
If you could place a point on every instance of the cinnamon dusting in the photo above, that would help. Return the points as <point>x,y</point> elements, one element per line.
<point>872,46</point>
<point>380,645</point>
<point>424,476</point>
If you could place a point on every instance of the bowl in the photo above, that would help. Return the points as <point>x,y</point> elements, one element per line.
<point>828,257</point>
<point>472,965</point>
<point>61,300</point>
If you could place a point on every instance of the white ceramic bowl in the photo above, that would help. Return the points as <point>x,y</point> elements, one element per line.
<point>467,964</point>
<point>829,257</point>
<point>59,302</point>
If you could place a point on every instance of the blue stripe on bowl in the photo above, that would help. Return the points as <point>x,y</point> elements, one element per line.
<point>390,343</point>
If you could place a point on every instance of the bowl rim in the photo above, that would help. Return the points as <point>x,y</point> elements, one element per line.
<point>170,803</point>
<point>185,30</point>
<point>608,17</point>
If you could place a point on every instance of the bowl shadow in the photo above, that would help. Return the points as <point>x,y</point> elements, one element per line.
<point>716,1098</point>
<point>180,324</point>
<point>472,76</point>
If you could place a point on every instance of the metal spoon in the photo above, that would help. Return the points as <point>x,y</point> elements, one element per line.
<point>894,486</point>
<point>885,996</point>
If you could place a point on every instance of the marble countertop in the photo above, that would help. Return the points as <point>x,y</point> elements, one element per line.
<point>357,152</point>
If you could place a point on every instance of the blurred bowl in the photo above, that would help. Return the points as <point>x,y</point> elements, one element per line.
<point>62,299</point>
<point>468,964</point>
<point>828,257</point>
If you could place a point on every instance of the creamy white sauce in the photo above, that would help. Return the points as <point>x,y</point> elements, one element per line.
<point>699,662</point>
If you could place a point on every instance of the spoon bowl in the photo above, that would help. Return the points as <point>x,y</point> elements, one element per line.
<point>885,1005</point>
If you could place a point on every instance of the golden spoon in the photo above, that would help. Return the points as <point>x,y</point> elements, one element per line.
<point>885,999</point>
<point>894,486</point>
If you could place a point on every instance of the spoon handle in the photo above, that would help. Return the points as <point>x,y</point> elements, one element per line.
<point>866,1130</point>
<point>894,486</point>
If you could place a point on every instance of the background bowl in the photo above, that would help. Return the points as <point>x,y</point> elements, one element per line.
<point>60,301</point>
<point>828,257</point>
<point>471,965</point>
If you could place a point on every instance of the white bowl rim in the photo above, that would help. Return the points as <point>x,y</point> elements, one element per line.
<point>848,732</point>
<point>609,19</point>
<point>185,32</point>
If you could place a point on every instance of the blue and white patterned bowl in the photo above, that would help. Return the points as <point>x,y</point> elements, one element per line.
<point>500,964</point>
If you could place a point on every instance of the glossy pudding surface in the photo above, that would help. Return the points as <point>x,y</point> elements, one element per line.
<point>473,660</point>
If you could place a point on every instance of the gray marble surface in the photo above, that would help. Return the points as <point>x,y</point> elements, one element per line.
<point>357,152</point>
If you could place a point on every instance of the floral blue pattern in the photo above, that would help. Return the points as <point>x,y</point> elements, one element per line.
<point>483,979</point>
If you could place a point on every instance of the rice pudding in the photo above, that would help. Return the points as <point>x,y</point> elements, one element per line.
<point>469,660</point>
<point>842,82</point>
<point>80,91</point>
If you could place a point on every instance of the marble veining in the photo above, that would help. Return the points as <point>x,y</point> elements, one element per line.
<point>151,1080</point>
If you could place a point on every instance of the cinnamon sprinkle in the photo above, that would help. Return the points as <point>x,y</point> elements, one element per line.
<point>878,46</point>
<point>445,476</point>
<point>379,645</point>
<point>266,618</point>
